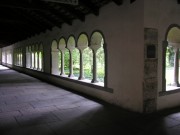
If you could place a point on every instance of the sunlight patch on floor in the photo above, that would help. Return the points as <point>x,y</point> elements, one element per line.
<point>3,68</point>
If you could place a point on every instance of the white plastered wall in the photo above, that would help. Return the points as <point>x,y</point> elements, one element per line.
<point>161,14</point>
<point>122,27</point>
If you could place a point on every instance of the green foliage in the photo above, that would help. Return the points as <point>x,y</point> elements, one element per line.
<point>66,61</point>
<point>76,62</point>
<point>169,57</point>
<point>100,64</point>
<point>88,63</point>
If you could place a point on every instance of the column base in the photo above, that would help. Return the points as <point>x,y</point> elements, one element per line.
<point>81,78</point>
<point>94,81</point>
<point>71,75</point>
<point>175,84</point>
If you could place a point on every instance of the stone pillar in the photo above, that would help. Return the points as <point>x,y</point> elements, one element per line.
<point>34,51</point>
<point>18,57</point>
<point>42,60</point>
<point>62,48</point>
<point>62,63</point>
<point>38,61</point>
<point>176,67</point>
<point>37,51</point>
<point>81,45</point>
<point>164,49</point>
<point>81,76</point>
<point>94,80</point>
<point>176,47</point>
<point>71,64</point>
<point>150,70</point>
<point>54,68</point>
<point>30,57</point>
<point>21,57</point>
<point>71,46</point>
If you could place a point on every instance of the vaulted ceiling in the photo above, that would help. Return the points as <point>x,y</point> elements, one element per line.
<point>20,19</point>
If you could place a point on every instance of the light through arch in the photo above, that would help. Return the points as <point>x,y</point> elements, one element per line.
<point>97,45</point>
<point>172,58</point>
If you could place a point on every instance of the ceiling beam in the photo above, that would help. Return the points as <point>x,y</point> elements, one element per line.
<point>75,13</point>
<point>51,17</point>
<point>69,9</point>
<point>131,1</point>
<point>87,4</point>
<point>26,4</point>
<point>56,13</point>
<point>118,2</point>
<point>41,19</point>
<point>30,19</point>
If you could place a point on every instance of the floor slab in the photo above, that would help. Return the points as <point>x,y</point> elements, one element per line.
<point>29,106</point>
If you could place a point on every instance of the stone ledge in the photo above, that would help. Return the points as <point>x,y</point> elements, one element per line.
<point>164,93</point>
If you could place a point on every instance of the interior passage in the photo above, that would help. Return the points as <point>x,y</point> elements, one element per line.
<point>29,106</point>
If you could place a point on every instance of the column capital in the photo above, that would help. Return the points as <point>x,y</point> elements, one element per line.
<point>174,45</point>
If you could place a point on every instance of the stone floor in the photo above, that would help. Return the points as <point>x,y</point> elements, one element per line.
<point>29,106</point>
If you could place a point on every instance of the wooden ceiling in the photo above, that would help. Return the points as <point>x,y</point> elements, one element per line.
<point>20,19</point>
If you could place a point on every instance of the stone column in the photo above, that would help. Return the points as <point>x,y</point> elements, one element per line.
<point>71,64</point>
<point>81,76</point>
<point>150,78</point>
<point>62,63</point>
<point>42,60</point>
<point>30,57</point>
<point>82,44</point>
<point>176,47</point>
<point>164,48</point>
<point>176,66</point>
<point>94,80</point>
<point>54,68</point>
<point>20,56</point>
<point>34,58</point>
<point>71,46</point>
<point>38,61</point>
<point>37,57</point>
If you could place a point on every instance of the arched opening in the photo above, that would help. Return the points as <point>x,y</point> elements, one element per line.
<point>66,62</point>
<point>62,58</point>
<point>172,58</point>
<point>82,44</point>
<point>100,64</point>
<point>73,57</point>
<point>76,63</point>
<point>88,63</point>
<point>97,45</point>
